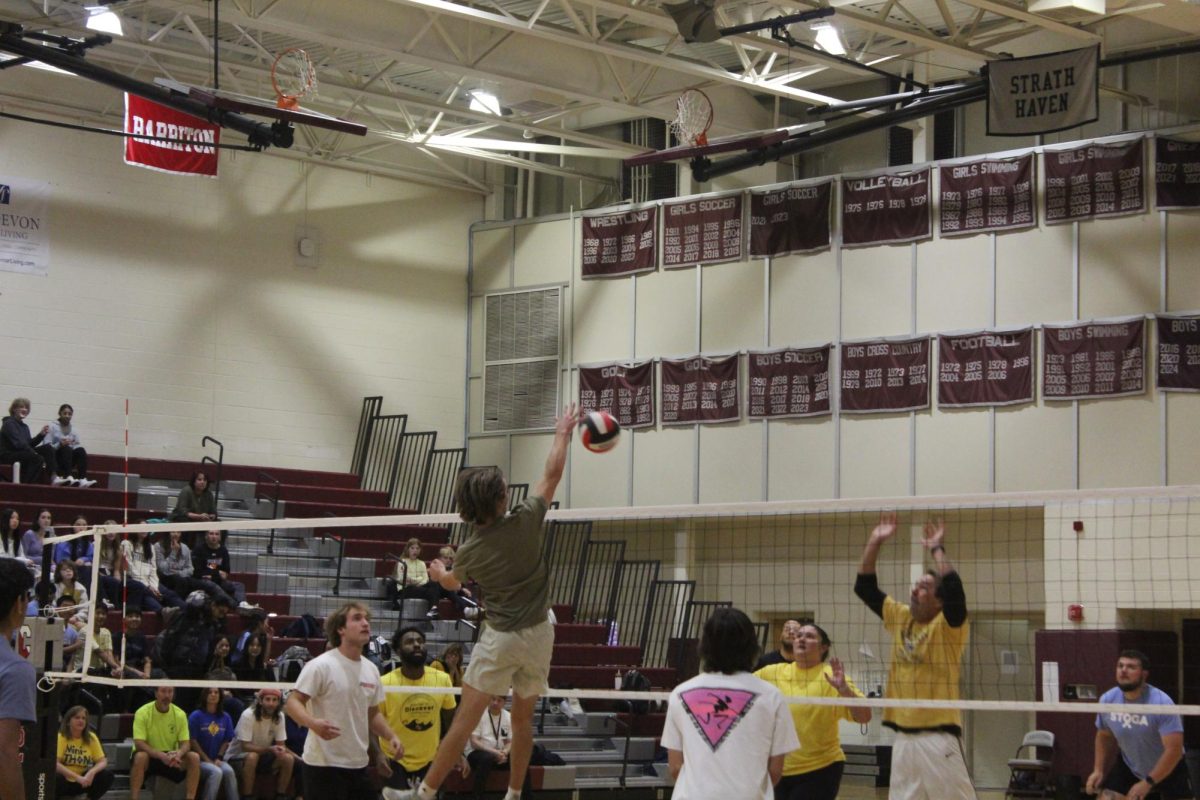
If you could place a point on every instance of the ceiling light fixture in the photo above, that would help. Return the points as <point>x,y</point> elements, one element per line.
<point>828,39</point>
<point>103,20</point>
<point>485,102</point>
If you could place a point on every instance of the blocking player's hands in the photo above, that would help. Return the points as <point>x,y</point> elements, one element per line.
<point>566,423</point>
<point>886,528</point>
<point>935,531</point>
<point>837,676</point>
<point>1094,782</point>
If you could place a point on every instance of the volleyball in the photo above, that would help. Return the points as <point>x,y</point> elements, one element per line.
<point>599,431</point>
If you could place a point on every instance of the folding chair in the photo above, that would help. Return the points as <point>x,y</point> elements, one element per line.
<point>1033,777</point>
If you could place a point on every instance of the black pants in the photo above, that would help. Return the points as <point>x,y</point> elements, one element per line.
<point>819,784</point>
<point>31,463</point>
<point>482,763</point>
<point>100,784</point>
<point>336,783</point>
<point>402,778</point>
<point>64,460</point>
<point>1176,786</point>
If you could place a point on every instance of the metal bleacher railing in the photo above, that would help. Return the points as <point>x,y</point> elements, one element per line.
<point>219,461</point>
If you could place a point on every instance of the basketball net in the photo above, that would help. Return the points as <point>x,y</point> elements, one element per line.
<point>693,117</point>
<point>293,77</point>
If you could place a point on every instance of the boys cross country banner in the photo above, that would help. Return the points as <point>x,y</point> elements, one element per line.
<point>624,390</point>
<point>991,194</point>
<point>194,154</point>
<point>24,226</point>
<point>985,368</point>
<point>1042,94</point>
<point>794,219</point>
<point>883,375</point>
<point>885,209</point>
<point>1179,352</point>
<point>1105,358</point>
<point>700,389</point>
<point>789,382</point>
<point>1096,180</point>
<point>1176,173</point>
<point>706,230</point>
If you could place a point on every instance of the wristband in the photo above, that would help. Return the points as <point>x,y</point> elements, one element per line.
<point>1151,781</point>
<point>935,548</point>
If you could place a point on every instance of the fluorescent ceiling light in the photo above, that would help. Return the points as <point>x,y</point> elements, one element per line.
<point>36,64</point>
<point>103,20</point>
<point>486,102</point>
<point>828,39</point>
<point>1050,6</point>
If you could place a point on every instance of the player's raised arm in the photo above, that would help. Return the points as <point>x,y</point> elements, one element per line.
<point>866,586</point>
<point>557,459</point>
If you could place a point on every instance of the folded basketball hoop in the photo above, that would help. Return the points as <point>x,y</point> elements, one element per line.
<point>293,77</point>
<point>693,117</point>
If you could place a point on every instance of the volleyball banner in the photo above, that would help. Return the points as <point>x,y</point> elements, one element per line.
<point>1042,94</point>
<point>699,389</point>
<point>985,368</point>
<point>791,382</point>
<point>618,244</point>
<point>1096,180</point>
<point>794,219</point>
<point>885,375</point>
<point>885,209</point>
<point>706,230</point>
<point>624,390</point>
<point>1179,353</point>
<point>992,194</point>
<point>1176,174</point>
<point>1094,359</point>
<point>190,146</point>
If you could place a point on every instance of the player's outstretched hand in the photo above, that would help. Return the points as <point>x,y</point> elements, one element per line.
<point>566,423</point>
<point>935,531</point>
<point>836,675</point>
<point>886,527</point>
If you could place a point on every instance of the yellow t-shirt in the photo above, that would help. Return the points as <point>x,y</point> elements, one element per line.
<point>926,663</point>
<point>416,718</point>
<point>79,755</point>
<point>103,642</point>
<point>817,726</point>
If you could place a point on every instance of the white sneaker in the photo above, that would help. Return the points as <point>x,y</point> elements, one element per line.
<point>399,794</point>
<point>471,612</point>
<point>85,483</point>
<point>59,480</point>
<point>246,606</point>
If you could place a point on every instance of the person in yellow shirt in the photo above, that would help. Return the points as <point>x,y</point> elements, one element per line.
<point>81,767</point>
<point>418,719</point>
<point>929,635</point>
<point>814,772</point>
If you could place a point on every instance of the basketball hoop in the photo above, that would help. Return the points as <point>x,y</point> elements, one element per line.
<point>693,117</point>
<point>293,77</point>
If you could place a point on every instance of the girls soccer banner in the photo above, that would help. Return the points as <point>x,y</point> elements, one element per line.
<point>985,368</point>
<point>885,209</point>
<point>794,219</point>
<point>1042,94</point>
<point>699,389</point>
<point>1096,180</point>
<point>618,244</point>
<point>193,149</point>
<point>789,382</point>
<point>1176,174</point>
<point>703,231</point>
<point>24,226</point>
<point>624,390</point>
<point>1094,359</point>
<point>992,194</point>
<point>884,375</point>
<point>1179,353</point>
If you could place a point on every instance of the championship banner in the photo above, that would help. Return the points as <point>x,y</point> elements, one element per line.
<point>195,154</point>
<point>24,226</point>
<point>1179,353</point>
<point>699,389</point>
<point>619,244</point>
<point>624,390</point>
<point>1176,174</point>
<point>1096,180</point>
<point>789,382</point>
<point>885,375</point>
<point>1093,359</point>
<point>992,194</point>
<point>703,231</point>
<point>985,368</point>
<point>791,220</point>
<point>1042,94</point>
<point>885,209</point>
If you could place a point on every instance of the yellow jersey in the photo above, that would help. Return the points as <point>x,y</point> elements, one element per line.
<point>415,717</point>
<point>926,664</point>
<point>817,726</point>
<point>79,755</point>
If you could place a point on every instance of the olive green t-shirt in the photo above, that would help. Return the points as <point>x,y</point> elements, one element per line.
<point>505,558</point>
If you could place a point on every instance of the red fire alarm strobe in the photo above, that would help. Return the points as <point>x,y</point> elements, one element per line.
<point>1075,612</point>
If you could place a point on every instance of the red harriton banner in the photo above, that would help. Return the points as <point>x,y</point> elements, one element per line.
<point>990,194</point>
<point>985,368</point>
<point>885,375</point>
<point>1105,358</point>
<point>1096,180</point>
<point>1179,353</point>
<point>789,382</point>
<point>193,150</point>
<point>699,389</point>
<point>885,209</point>
<point>624,390</point>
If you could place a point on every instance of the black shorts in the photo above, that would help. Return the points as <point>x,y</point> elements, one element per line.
<point>337,783</point>
<point>266,762</point>
<point>402,778</point>
<point>819,784</point>
<point>173,774</point>
<point>1176,786</point>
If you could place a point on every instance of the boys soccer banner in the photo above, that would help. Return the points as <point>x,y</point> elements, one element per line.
<point>789,382</point>
<point>1041,94</point>
<point>794,219</point>
<point>1093,359</point>
<point>985,368</point>
<point>1179,353</point>
<point>618,244</point>
<point>885,375</point>
<point>992,194</point>
<point>702,231</point>
<point>885,209</point>
<point>24,226</point>
<point>624,390</point>
<point>1096,180</point>
<point>193,151</point>
<point>1176,174</point>
<point>699,389</point>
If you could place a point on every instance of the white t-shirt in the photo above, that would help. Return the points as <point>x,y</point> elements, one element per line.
<point>727,727</point>
<point>495,732</point>
<point>263,732</point>
<point>340,690</point>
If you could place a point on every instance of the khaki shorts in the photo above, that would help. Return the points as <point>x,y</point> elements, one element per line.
<point>517,659</point>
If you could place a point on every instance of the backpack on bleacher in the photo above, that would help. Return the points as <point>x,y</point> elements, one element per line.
<point>291,662</point>
<point>635,681</point>
<point>306,626</point>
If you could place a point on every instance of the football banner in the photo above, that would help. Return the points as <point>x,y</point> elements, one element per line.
<point>1094,359</point>
<point>24,225</point>
<point>1096,180</point>
<point>193,152</point>
<point>1179,353</point>
<point>624,390</point>
<point>1176,173</point>
<point>707,230</point>
<point>794,219</point>
<point>789,382</point>
<point>1042,94</point>
<point>884,375</point>
<point>618,244</point>
<point>885,209</point>
<point>699,389</point>
<point>985,368</point>
<point>991,194</point>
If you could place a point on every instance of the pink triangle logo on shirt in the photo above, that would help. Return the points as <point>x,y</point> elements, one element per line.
<point>717,711</point>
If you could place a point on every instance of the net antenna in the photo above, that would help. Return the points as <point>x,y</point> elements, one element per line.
<point>293,77</point>
<point>693,117</point>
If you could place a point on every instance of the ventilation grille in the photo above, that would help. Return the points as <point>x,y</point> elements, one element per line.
<point>522,331</point>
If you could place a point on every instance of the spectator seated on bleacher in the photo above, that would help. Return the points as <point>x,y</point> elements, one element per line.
<point>176,569</point>
<point>33,543</point>
<point>260,744</point>
<point>162,742</point>
<point>63,453</point>
<point>138,663</point>
<point>81,765</point>
<point>65,585</point>
<point>462,599</point>
<point>184,648</point>
<point>211,729</point>
<point>139,558</point>
<point>116,589</point>
<point>256,626</point>
<point>10,536</point>
<point>73,636</point>
<point>490,744</point>
<point>18,445</point>
<point>412,578</point>
<point>78,552</point>
<point>451,663</point>
<point>210,560</point>
<point>196,502</point>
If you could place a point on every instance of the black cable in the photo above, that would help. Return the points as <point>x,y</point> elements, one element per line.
<point>105,131</point>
